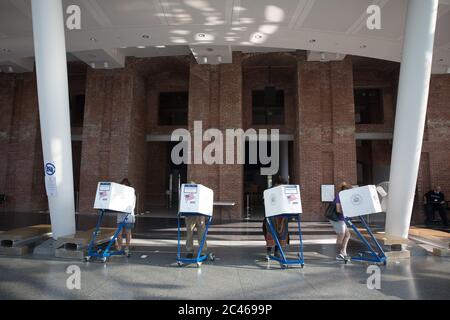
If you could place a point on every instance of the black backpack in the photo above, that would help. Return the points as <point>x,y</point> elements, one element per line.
<point>331,213</point>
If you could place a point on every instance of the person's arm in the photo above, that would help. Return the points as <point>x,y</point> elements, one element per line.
<point>338,208</point>
<point>425,198</point>
<point>442,198</point>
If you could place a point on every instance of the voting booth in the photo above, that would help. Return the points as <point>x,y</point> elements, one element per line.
<point>195,200</point>
<point>114,197</point>
<point>356,203</point>
<point>284,201</point>
<point>111,196</point>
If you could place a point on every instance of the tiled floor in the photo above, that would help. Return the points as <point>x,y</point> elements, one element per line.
<point>239,272</point>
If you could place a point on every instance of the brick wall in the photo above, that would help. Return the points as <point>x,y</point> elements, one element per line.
<point>121,109</point>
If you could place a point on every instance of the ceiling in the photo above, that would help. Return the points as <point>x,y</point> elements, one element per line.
<point>212,29</point>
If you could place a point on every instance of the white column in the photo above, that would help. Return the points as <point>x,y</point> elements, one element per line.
<point>411,109</point>
<point>284,160</point>
<point>53,94</point>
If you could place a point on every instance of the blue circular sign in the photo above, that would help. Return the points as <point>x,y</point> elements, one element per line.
<point>50,169</point>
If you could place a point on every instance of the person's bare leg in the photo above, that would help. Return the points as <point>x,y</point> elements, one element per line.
<point>339,240</point>
<point>119,241</point>
<point>128,239</point>
<point>345,240</point>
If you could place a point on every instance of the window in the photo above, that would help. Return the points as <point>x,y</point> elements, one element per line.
<point>368,106</point>
<point>268,106</point>
<point>173,108</point>
<point>77,110</point>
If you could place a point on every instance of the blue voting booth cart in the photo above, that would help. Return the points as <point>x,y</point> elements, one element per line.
<point>284,201</point>
<point>196,200</point>
<point>111,196</point>
<point>356,203</point>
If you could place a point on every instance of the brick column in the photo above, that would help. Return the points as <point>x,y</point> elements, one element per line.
<point>7,90</point>
<point>231,176</point>
<point>215,98</point>
<point>325,151</point>
<point>341,75</point>
<point>21,153</point>
<point>113,133</point>
<point>309,137</point>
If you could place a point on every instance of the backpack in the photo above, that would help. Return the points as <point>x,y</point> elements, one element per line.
<point>331,213</point>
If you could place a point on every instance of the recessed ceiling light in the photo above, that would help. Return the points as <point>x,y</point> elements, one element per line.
<point>201,35</point>
<point>140,47</point>
<point>363,46</point>
<point>257,35</point>
<point>145,36</point>
<point>93,39</point>
<point>441,60</point>
<point>205,59</point>
<point>161,46</point>
<point>312,40</point>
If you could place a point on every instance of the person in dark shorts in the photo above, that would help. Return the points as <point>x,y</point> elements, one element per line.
<point>433,201</point>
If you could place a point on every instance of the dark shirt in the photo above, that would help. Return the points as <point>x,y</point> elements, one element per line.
<point>434,197</point>
<point>339,214</point>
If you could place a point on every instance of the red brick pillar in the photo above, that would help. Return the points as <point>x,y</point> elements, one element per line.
<point>215,98</point>
<point>231,176</point>
<point>325,151</point>
<point>23,137</point>
<point>309,137</point>
<point>341,78</point>
<point>114,132</point>
<point>7,90</point>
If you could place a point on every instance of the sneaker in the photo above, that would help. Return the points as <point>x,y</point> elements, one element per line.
<point>340,257</point>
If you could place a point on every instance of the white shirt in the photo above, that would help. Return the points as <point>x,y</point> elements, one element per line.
<point>130,218</point>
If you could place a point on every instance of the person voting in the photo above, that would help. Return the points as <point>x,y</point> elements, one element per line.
<point>356,203</point>
<point>120,199</point>
<point>196,205</point>
<point>281,203</point>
